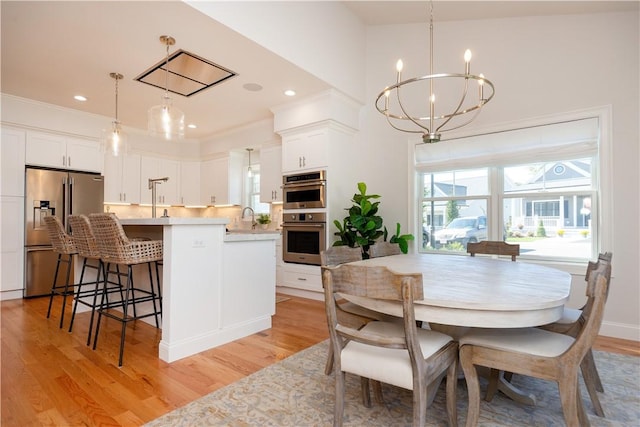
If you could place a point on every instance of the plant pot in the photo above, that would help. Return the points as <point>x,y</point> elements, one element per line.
<point>264,226</point>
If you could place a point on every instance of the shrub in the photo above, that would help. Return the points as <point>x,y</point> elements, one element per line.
<point>560,232</point>
<point>540,231</point>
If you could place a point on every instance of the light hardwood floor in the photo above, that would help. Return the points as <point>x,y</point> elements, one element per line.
<point>50,377</point>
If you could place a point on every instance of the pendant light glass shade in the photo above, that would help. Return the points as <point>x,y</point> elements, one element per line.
<point>249,170</point>
<point>166,120</point>
<point>115,139</point>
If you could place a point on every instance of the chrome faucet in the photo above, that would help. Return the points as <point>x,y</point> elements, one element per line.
<point>253,216</point>
<point>152,186</point>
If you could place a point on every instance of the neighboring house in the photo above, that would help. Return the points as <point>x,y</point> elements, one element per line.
<point>555,210</point>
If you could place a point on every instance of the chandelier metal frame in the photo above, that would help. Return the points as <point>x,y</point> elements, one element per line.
<point>432,126</point>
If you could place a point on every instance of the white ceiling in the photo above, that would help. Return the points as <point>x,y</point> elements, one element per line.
<point>52,51</point>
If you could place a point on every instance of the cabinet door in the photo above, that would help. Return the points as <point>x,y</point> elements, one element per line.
<point>122,179</point>
<point>305,151</point>
<point>46,150</point>
<point>130,185</point>
<point>170,190</point>
<point>217,185</point>
<point>190,184</point>
<point>84,155</point>
<point>12,254</point>
<point>271,175</point>
<point>221,180</point>
<point>113,180</point>
<point>12,162</point>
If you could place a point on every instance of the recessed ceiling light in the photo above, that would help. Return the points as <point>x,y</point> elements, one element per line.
<point>80,98</point>
<point>290,92</point>
<point>191,126</point>
<point>252,87</point>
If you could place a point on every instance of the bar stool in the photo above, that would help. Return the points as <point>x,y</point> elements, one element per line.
<point>87,248</point>
<point>65,248</point>
<point>116,248</point>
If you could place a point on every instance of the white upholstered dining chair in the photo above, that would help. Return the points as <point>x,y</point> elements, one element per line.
<point>394,353</point>
<point>537,353</point>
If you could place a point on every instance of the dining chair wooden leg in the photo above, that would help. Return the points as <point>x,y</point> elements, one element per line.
<point>571,401</point>
<point>366,394</point>
<point>473,386</point>
<point>328,367</point>
<point>419,404</point>
<point>590,382</point>
<point>492,387</point>
<point>338,408</point>
<point>452,391</point>
<point>377,391</point>
<point>593,371</point>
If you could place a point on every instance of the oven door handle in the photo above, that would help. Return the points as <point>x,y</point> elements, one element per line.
<point>303,225</point>
<point>303,184</point>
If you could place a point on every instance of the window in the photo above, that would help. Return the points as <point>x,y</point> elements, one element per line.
<point>252,191</point>
<point>494,192</point>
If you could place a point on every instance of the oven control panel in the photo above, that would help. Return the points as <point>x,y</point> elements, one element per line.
<point>299,217</point>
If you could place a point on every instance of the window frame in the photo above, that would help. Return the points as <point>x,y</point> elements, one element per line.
<point>601,191</point>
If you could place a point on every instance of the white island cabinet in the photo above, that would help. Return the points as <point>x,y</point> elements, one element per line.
<point>216,286</point>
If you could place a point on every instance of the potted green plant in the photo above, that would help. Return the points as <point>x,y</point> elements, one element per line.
<point>264,220</point>
<point>401,239</point>
<point>363,226</point>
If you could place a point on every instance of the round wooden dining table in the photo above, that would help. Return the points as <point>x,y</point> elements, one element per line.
<point>462,292</point>
<point>477,291</point>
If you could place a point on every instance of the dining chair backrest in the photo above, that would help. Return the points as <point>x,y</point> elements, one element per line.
<point>602,257</point>
<point>83,237</point>
<point>336,255</point>
<point>379,249</point>
<point>372,282</point>
<point>599,281</point>
<point>60,240</point>
<point>494,247</point>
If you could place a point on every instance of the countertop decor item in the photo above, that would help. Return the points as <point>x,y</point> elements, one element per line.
<point>414,114</point>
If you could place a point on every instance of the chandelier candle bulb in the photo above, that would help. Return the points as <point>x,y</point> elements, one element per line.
<point>467,61</point>
<point>481,87</point>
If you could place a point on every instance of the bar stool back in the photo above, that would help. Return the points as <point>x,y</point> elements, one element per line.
<point>65,248</point>
<point>85,241</point>
<point>116,248</point>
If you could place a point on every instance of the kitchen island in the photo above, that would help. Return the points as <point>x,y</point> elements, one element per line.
<point>216,286</point>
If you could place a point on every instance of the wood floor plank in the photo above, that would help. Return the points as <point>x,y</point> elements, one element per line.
<point>51,378</point>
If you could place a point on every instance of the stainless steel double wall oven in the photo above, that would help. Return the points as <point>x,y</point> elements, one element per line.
<point>304,221</point>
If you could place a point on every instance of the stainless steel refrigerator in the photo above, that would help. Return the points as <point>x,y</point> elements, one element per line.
<point>58,193</point>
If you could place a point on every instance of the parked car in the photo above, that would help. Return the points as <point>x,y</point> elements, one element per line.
<point>462,230</point>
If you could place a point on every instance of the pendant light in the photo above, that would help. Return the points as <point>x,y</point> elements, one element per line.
<point>249,170</point>
<point>115,140</point>
<point>166,120</point>
<point>424,118</point>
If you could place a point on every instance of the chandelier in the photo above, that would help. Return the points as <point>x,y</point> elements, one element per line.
<point>165,119</point>
<point>407,110</point>
<point>116,139</point>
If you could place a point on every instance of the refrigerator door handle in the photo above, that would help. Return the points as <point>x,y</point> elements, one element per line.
<point>39,248</point>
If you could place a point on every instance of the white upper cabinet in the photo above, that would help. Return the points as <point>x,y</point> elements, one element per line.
<point>122,179</point>
<point>12,158</point>
<point>271,174</point>
<point>305,151</point>
<point>221,180</point>
<point>58,151</point>
<point>190,183</point>
<point>167,193</point>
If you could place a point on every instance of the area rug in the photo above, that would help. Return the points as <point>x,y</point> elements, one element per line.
<point>296,392</point>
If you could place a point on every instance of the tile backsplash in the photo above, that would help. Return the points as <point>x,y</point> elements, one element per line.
<point>234,213</point>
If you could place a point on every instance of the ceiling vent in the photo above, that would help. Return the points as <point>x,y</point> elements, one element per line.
<point>188,74</point>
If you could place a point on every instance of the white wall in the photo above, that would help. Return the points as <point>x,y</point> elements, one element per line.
<point>540,66</point>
